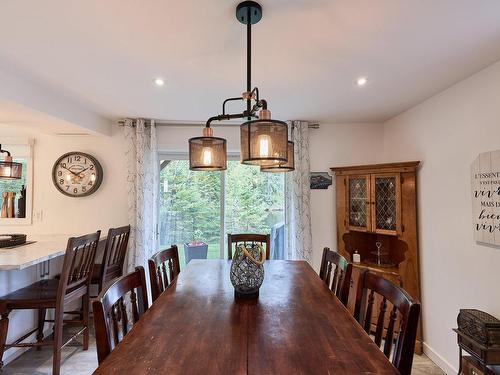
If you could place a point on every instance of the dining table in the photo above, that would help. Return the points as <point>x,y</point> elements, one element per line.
<point>295,326</point>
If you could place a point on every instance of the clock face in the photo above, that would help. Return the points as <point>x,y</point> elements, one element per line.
<point>77,174</point>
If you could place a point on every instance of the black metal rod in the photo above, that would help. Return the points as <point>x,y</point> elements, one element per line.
<point>256,92</point>
<point>249,59</point>
<point>225,117</point>
<point>227,100</point>
<point>4,151</point>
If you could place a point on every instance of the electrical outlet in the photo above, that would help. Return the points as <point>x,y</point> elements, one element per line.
<point>37,216</point>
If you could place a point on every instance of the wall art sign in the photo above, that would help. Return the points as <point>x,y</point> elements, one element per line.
<point>485,174</point>
<point>320,180</point>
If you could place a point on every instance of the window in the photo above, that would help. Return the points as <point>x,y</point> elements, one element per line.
<point>198,208</point>
<point>21,150</point>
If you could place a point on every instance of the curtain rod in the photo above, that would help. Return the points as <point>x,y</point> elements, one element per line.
<point>313,125</point>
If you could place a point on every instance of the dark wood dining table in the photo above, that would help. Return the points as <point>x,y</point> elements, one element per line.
<point>296,326</point>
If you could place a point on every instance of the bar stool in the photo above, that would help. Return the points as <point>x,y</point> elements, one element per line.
<point>111,266</point>
<point>73,284</point>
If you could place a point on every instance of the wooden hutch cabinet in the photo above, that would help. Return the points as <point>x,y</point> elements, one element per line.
<point>376,207</point>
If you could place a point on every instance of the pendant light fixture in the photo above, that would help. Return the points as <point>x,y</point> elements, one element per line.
<point>207,153</point>
<point>264,141</point>
<point>8,168</point>
<point>282,167</point>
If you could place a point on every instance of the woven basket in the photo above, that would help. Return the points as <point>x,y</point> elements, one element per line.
<point>480,326</point>
<point>8,240</point>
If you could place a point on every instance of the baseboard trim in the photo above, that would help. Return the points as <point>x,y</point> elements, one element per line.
<point>439,360</point>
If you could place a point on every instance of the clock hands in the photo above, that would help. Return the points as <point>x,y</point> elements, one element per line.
<point>76,173</point>
<point>69,170</point>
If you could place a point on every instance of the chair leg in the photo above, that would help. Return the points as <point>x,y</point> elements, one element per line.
<point>4,325</point>
<point>41,323</point>
<point>85,320</point>
<point>58,332</point>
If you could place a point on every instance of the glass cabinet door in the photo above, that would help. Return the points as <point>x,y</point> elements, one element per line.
<point>386,201</point>
<point>358,190</point>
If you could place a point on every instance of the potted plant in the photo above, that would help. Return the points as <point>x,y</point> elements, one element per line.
<point>195,249</point>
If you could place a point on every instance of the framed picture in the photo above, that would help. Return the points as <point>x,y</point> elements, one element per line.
<point>320,180</point>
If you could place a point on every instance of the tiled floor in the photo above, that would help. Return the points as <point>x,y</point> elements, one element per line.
<point>77,362</point>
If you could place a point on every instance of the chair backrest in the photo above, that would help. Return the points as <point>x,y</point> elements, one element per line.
<point>248,239</point>
<point>77,267</point>
<point>114,255</point>
<point>163,269</point>
<point>339,282</point>
<point>111,313</point>
<point>402,321</point>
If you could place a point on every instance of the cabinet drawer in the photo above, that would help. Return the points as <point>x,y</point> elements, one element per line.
<point>471,367</point>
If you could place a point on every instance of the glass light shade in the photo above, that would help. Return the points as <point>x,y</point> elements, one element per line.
<point>264,142</point>
<point>207,154</point>
<point>282,167</point>
<point>10,169</point>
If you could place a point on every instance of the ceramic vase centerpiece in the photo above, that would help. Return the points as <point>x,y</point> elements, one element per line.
<point>247,270</point>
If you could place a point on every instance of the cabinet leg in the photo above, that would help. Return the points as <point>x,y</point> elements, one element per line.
<point>459,361</point>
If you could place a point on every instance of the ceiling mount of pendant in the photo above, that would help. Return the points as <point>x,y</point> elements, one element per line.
<point>242,12</point>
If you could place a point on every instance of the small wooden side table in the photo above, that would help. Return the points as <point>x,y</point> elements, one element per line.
<point>481,355</point>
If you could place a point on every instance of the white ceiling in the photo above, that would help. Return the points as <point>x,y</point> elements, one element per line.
<point>22,117</point>
<point>307,53</point>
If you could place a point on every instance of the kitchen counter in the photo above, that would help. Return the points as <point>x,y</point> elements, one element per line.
<point>45,248</point>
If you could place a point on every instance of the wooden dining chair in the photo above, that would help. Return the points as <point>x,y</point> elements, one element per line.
<point>73,284</point>
<point>111,321</point>
<point>339,283</point>
<point>402,323</point>
<point>163,269</point>
<point>115,250</point>
<point>248,239</point>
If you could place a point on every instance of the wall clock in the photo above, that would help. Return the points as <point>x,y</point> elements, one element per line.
<point>77,174</point>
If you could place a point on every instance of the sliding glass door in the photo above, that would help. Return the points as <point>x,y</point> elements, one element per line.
<point>198,209</point>
<point>189,210</point>
<point>254,203</point>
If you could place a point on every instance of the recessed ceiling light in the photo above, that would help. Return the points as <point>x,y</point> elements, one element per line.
<point>361,81</point>
<point>159,82</point>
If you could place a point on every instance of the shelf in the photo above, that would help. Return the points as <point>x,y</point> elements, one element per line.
<point>389,270</point>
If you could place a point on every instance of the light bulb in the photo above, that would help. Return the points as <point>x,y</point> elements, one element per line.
<point>207,156</point>
<point>7,171</point>
<point>159,81</point>
<point>264,146</point>
<point>361,81</point>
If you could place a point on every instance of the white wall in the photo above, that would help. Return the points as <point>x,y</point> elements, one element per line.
<point>446,133</point>
<point>334,145</point>
<point>61,214</point>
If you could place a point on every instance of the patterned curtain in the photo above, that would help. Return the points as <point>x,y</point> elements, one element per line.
<point>297,197</point>
<point>142,187</point>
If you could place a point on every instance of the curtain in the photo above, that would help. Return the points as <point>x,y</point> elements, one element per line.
<point>297,197</point>
<point>142,188</point>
